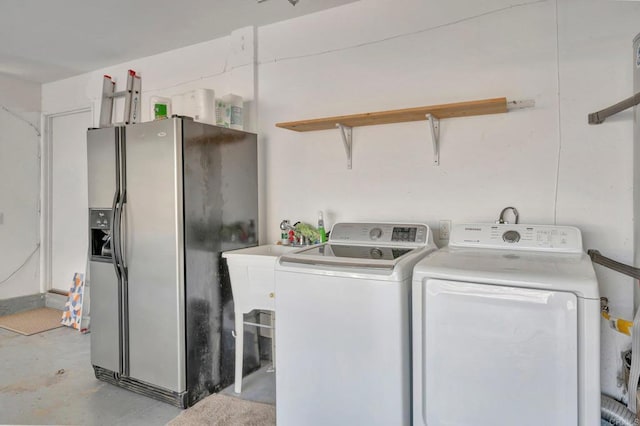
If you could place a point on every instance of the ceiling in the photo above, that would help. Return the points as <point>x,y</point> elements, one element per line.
<point>50,40</point>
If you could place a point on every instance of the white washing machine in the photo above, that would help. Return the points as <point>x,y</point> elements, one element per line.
<point>343,326</point>
<point>506,329</point>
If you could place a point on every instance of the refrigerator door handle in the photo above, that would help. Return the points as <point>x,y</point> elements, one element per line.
<point>114,230</point>
<point>123,232</point>
<point>117,238</point>
<point>115,235</point>
<point>122,288</point>
<point>122,237</point>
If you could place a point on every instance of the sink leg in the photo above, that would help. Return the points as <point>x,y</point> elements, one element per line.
<point>273,340</point>
<point>237,387</point>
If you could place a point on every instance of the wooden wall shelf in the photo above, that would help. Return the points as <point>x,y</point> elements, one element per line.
<point>432,114</point>
<point>459,109</point>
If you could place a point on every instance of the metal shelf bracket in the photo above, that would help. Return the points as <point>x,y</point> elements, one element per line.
<point>347,140</point>
<point>434,127</point>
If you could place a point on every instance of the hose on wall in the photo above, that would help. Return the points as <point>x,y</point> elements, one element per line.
<point>616,413</point>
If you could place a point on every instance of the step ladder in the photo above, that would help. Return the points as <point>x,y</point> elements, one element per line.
<point>131,97</point>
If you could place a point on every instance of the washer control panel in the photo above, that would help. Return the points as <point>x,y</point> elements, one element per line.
<point>566,239</point>
<point>381,233</point>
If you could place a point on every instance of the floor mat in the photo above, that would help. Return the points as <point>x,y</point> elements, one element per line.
<point>32,322</point>
<point>223,410</point>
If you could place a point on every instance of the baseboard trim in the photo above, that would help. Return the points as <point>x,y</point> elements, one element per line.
<point>15,305</point>
<point>56,300</point>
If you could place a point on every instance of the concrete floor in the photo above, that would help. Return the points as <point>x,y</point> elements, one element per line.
<point>47,378</point>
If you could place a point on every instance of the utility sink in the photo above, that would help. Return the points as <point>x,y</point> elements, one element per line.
<point>252,273</point>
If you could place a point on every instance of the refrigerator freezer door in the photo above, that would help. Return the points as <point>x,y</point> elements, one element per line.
<point>105,336</point>
<point>102,278</point>
<point>153,254</point>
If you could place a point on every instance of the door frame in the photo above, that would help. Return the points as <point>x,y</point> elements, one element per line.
<point>46,192</point>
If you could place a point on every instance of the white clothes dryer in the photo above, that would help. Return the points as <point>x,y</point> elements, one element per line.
<point>506,329</point>
<point>344,344</point>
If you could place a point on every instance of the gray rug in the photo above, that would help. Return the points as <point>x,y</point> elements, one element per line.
<point>223,410</point>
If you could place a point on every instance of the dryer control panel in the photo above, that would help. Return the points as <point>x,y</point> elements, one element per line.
<point>408,234</point>
<point>562,239</point>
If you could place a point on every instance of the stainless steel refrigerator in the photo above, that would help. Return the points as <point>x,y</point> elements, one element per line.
<point>165,199</point>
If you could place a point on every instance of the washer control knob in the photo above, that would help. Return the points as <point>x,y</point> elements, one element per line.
<point>511,236</point>
<point>375,233</point>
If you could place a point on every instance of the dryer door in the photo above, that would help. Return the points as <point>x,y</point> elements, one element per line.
<point>498,355</point>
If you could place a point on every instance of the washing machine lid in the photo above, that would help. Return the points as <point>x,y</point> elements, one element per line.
<point>533,256</point>
<point>558,272</point>
<point>344,255</point>
<point>366,246</point>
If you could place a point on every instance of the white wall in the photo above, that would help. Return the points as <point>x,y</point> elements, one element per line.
<point>421,56</point>
<point>571,56</point>
<point>596,162</point>
<point>19,187</point>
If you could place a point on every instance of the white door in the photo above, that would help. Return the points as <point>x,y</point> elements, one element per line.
<point>68,197</point>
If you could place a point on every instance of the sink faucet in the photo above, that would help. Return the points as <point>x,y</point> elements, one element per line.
<point>285,225</point>
<point>295,237</point>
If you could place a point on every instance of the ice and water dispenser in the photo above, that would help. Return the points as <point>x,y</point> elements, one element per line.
<point>100,234</point>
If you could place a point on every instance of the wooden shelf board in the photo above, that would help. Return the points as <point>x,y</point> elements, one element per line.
<point>459,109</point>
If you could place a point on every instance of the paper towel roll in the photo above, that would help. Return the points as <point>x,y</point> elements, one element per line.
<point>223,114</point>
<point>234,103</point>
<point>201,105</point>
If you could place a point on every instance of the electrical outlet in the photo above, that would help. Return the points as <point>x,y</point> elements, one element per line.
<point>445,230</point>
